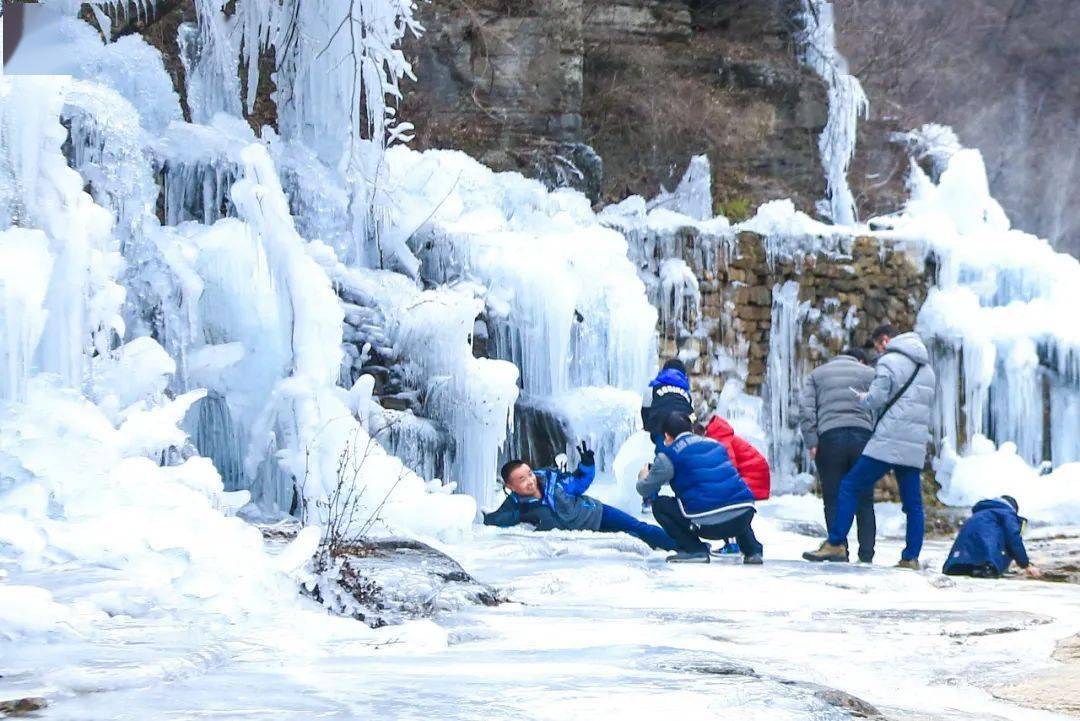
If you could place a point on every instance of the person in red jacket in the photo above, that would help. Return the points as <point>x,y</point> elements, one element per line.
<point>748,461</point>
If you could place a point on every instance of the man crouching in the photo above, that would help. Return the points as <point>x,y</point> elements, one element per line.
<point>711,499</point>
<point>548,499</point>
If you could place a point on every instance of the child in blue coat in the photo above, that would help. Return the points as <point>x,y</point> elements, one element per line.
<point>989,541</point>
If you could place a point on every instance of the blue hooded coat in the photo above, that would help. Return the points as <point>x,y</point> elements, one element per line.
<point>988,541</point>
<point>562,503</point>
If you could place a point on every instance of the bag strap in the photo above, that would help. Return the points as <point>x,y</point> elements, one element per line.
<point>903,389</point>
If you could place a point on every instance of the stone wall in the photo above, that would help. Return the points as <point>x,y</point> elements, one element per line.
<point>849,286</point>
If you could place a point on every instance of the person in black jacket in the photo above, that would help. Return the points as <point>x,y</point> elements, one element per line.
<point>989,541</point>
<point>669,392</point>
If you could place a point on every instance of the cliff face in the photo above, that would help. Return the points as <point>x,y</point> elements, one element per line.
<point>545,88</point>
<point>1002,73</point>
<point>614,96</point>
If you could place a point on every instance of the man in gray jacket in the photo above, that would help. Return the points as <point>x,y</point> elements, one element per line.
<point>835,427</point>
<point>901,398</point>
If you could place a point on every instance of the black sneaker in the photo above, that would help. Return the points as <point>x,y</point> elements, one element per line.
<point>754,559</point>
<point>683,557</point>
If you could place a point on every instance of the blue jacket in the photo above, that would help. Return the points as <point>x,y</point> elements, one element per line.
<point>670,393</point>
<point>562,503</point>
<point>705,480</point>
<point>990,539</point>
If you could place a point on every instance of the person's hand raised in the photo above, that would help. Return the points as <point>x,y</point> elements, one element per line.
<point>588,458</point>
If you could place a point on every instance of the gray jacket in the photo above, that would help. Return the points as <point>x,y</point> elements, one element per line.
<point>827,401</point>
<point>904,431</point>
<point>660,474</point>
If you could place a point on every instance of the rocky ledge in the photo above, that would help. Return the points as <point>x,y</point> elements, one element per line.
<point>389,581</point>
<point>1057,690</point>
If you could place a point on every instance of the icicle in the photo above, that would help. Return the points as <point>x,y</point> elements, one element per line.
<point>108,150</point>
<point>83,299</point>
<point>418,442</point>
<point>680,298</point>
<point>847,104</point>
<point>25,267</point>
<point>783,380</point>
<point>1016,400</point>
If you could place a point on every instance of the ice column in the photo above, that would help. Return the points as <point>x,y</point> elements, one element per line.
<point>38,189</point>
<point>847,103</point>
<point>1016,405</point>
<point>783,381</point>
<point>25,266</point>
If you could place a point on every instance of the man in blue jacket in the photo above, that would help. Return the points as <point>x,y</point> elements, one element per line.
<point>711,499</point>
<point>549,499</point>
<point>989,541</point>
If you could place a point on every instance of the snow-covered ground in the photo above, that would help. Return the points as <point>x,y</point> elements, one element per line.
<point>599,627</point>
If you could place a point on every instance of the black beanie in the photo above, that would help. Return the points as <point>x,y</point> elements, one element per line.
<point>675,364</point>
<point>676,424</point>
<point>1012,502</point>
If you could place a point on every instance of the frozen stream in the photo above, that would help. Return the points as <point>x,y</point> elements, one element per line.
<point>599,629</point>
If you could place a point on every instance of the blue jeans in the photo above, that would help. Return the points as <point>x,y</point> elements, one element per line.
<point>860,479</point>
<point>612,520</point>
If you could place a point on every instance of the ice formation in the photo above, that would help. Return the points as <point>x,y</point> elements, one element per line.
<point>782,382</point>
<point>998,317</point>
<point>847,103</point>
<point>986,471</point>
<point>693,196</point>
<point>244,283</point>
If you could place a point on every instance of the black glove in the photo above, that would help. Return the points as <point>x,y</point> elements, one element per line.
<point>588,458</point>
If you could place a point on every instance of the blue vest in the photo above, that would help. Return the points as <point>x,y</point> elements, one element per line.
<point>705,479</point>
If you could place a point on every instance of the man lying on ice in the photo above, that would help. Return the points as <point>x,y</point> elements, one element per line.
<point>549,499</point>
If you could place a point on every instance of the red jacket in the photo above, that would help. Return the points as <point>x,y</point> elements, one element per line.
<point>751,465</point>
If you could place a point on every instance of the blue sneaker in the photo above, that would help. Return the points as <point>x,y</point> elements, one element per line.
<point>730,549</point>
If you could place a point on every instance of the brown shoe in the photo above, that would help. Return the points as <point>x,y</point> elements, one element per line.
<point>910,563</point>
<point>828,552</point>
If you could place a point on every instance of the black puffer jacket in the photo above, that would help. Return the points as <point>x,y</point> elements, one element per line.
<point>670,393</point>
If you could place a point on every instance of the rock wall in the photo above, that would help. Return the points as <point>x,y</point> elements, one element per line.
<point>1001,72</point>
<point>767,311</point>
<point>615,96</point>
<point>846,287</point>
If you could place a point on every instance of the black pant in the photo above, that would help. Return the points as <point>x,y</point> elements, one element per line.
<point>837,451</point>
<point>666,512</point>
<point>982,570</point>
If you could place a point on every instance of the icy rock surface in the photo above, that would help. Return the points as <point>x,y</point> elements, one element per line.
<point>390,581</point>
<point>604,626</point>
